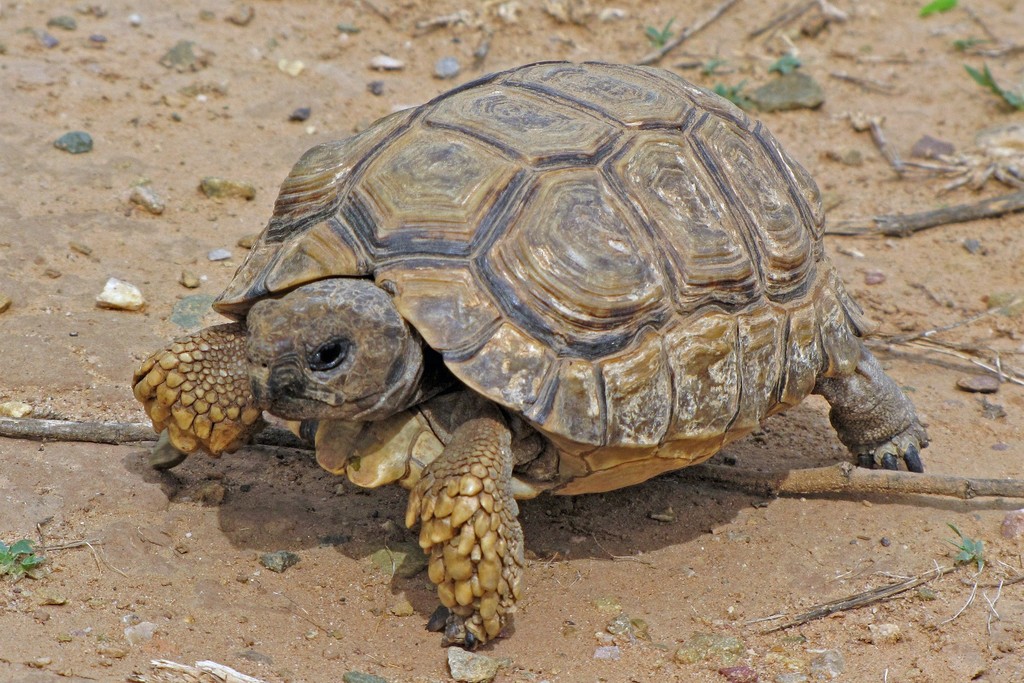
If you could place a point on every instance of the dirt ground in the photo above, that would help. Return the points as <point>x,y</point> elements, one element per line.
<point>180,550</point>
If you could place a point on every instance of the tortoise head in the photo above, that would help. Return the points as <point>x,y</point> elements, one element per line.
<point>332,349</point>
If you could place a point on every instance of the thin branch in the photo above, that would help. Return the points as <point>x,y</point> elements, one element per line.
<point>686,33</point>
<point>789,14</point>
<point>847,478</point>
<point>113,432</point>
<point>865,83</point>
<point>862,599</point>
<point>904,225</point>
<point>967,604</point>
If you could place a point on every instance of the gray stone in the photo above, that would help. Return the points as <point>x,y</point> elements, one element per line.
<point>75,142</point>
<point>828,665</point>
<point>791,91</point>
<point>360,677</point>
<point>978,384</point>
<point>219,254</point>
<point>140,633</point>
<point>1013,524</point>
<point>279,561</point>
<point>928,147</point>
<point>447,67</point>
<point>471,667</point>
<point>404,559</point>
<point>185,56</point>
<point>188,312</point>
<point>611,652</point>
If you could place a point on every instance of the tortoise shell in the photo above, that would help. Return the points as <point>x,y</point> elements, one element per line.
<point>621,257</point>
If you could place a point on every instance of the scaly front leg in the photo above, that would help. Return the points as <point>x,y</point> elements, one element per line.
<point>468,523</point>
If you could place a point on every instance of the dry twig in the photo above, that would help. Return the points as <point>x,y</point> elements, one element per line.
<point>845,477</point>
<point>869,597</point>
<point>865,83</point>
<point>166,671</point>
<point>686,33</point>
<point>904,225</point>
<point>862,122</point>
<point>113,432</point>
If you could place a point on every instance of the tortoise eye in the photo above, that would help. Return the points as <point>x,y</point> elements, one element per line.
<point>330,355</point>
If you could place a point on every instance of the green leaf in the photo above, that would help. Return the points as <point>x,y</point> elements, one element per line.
<point>964,44</point>
<point>786,64</point>
<point>22,547</point>
<point>937,6</point>
<point>985,79</point>
<point>732,93</point>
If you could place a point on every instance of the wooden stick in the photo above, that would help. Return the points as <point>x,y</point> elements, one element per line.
<point>114,432</point>
<point>862,599</point>
<point>686,33</point>
<point>787,15</point>
<point>904,225</point>
<point>846,478</point>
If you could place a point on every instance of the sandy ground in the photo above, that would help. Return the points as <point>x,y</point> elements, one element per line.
<point>180,550</point>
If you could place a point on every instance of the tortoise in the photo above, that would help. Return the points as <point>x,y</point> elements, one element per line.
<point>562,277</point>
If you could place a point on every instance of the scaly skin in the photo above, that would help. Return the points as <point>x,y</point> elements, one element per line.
<point>198,390</point>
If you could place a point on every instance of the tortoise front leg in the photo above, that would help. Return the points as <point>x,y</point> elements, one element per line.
<point>198,390</point>
<point>468,523</point>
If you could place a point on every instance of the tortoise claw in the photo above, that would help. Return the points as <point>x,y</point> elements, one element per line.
<point>889,462</point>
<point>866,461</point>
<point>913,459</point>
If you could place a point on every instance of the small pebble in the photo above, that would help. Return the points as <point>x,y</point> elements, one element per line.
<point>83,249</point>
<point>185,56</point>
<point>135,19</point>
<point>928,147</point>
<point>144,196</point>
<point>978,384</point>
<point>188,279</point>
<point>612,652</point>
<point>215,187</point>
<point>828,665</point>
<point>973,246</point>
<point>1012,526</point>
<point>739,674</point>
<point>1000,446</point>
<point>246,241</point>
<point>97,38</point>
<point>15,409</point>
<point>794,90</point>
<point>300,114</point>
<point>63,22</point>
<point>874,277</point>
<point>350,29</point>
<point>292,67</point>
<point>608,605</point>
<point>219,254</point>
<point>47,40</point>
<point>447,67</point>
<point>885,541</point>
<point>242,15</point>
<point>612,14</point>
<point>385,63</point>
<point>882,634</point>
<point>120,295</point>
<point>210,494</point>
<point>75,142</point>
<point>360,677</point>
<point>140,633</point>
<point>404,559</point>
<point>112,651</point>
<point>279,561</point>
<point>375,88</point>
<point>52,273</point>
<point>471,667</point>
<point>5,302</point>
<point>402,607</point>
<point>991,411</point>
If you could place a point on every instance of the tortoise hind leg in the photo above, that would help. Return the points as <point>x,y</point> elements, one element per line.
<point>467,514</point>
<point>873,417</point>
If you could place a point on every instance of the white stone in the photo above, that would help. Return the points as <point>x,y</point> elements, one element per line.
<point>385,63</point>
<point>15,409</point>
<point>120,295</point>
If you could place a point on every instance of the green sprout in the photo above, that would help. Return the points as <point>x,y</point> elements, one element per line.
<point>970,549</point>
<point>965,44</point>
<point>937,6</point>
<point>786,64</point>
<point>984,79</point>
<point>660,38</point>
<point>19,560</point>
<point>733,94</point>
<point>711,66</point>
